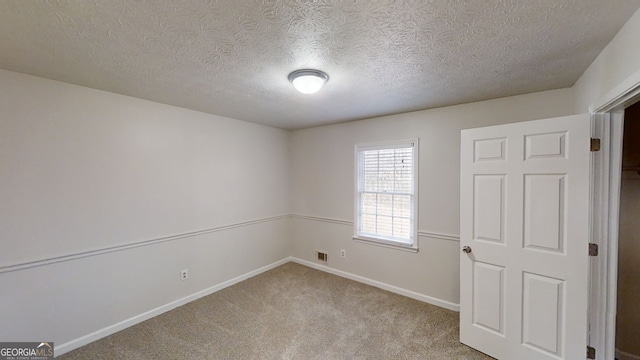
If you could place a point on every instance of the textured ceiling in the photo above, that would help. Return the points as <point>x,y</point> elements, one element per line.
<point>232,58</point>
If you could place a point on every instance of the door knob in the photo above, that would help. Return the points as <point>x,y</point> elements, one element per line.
<point>466,249</point>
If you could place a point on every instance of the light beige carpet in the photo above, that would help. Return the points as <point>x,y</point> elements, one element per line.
<point>291,312</point>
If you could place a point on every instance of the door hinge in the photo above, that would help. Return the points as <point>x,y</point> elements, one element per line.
<point>595,144</point>
<point>593,249</point>
<point>591,352</point>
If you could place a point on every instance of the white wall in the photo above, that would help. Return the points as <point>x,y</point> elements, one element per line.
<point>614,71</point>
<point>84,173</point>
<point>618,61</point>
<point>323,189</point>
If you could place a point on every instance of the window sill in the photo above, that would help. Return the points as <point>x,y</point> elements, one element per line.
<point>388,244</point>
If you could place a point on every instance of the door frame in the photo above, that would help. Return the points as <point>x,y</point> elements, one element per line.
<point>607,119</point>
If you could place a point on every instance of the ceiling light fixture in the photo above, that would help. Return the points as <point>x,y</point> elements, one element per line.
<point>308,81</point>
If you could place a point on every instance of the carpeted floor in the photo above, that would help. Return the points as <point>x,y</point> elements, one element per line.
<point>291,312</point>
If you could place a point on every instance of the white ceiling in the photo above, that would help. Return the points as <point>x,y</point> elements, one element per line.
<point>232,58</point>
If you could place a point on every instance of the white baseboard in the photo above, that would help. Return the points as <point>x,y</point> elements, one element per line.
<point>112,329</point>
<point>381,285</point>
<point>84,340</point>
<point>621,355</point>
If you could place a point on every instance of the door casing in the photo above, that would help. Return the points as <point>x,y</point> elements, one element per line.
<point>607,116</point>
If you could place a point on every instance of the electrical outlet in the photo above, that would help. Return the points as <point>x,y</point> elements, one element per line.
<point>184,274</point>
<point>343,253</point>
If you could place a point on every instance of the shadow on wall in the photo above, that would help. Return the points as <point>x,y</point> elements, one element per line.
<point>628,313</point>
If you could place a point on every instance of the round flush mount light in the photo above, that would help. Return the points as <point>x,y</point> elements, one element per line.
<point>308,81</point>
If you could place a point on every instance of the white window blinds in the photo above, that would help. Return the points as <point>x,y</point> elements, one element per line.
<point>386,192</point>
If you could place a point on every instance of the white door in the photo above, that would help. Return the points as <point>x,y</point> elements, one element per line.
<point>524,216</point>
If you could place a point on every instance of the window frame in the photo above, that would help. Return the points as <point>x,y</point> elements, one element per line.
<point>413,227</point>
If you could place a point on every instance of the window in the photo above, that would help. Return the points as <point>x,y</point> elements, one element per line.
<point>386,193</point>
